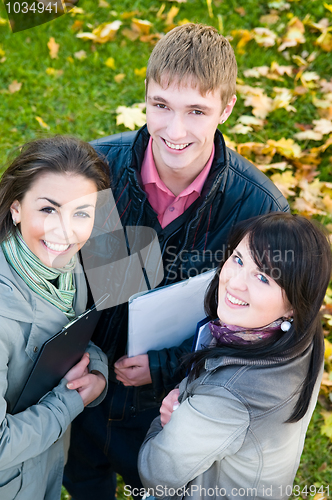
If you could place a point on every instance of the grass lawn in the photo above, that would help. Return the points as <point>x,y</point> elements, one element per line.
<point>78,91</point>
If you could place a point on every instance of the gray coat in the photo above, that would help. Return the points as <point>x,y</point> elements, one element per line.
<point>229,433</point>
<point>31,442</point>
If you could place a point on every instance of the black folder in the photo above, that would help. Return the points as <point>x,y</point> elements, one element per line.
<point>57,355</point>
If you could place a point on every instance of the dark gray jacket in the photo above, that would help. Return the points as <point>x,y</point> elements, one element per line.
<point>228,439</point>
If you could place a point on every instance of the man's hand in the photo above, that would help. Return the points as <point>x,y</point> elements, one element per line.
<point>169,404</point>
<point>133,371</point>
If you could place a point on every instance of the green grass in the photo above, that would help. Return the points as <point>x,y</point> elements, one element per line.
<point>82,101</point>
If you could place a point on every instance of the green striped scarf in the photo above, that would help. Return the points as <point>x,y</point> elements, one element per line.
<point>38,276</point>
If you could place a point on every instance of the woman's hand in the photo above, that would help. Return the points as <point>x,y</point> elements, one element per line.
<point>169,404</point>
<point>88,385</point>
<point>80,369</point>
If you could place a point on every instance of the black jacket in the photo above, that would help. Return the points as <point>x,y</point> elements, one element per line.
<point>235,190</point>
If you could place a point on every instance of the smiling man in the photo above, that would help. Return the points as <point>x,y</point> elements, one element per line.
<point>177,176</point>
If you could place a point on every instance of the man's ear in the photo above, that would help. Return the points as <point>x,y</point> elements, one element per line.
<point>228,110</point>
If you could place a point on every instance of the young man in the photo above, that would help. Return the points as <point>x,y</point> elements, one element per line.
<point>177,176</point>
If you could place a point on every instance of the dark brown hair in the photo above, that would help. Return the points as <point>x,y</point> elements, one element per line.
<point>296,253</point>
<point>194,54</point>
<point>58,154</point>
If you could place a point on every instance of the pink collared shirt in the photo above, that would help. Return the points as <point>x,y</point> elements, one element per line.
<point>162,200</point>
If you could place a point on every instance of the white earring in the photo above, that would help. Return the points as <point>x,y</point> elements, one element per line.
<point>14,222</point>
<point>285,325</point>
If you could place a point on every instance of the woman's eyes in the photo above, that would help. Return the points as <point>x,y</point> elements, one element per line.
<point>237,260</point>
<point>82,214</point>
<point>161,106</point>
<point>48,210</point>
<point>197,112</point>
<point>52,210</point>
<point>263,278</point>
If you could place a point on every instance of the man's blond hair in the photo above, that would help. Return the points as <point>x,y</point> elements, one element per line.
<point>194,54</point>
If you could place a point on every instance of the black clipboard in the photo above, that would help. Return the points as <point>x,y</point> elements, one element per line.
<point>57,355</point>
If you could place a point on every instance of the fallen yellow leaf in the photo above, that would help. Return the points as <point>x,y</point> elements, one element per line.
<point>118,78</point>
<point>80,55</point>
<point>326,429</point>
<point>324,41</point>
<point>269,19</point>
<point>264,37</point>
<point>54,72</point>
<point>110,63</point>
<point>53,47</point>
<point>132,35</point>
<point>171,14</point>
<point>103,4</point>
<point>77,25</point>
<point>245,37</point>
<point>256,72</point>
<point>104,33</point>
<point>41,122</point>
<point>294,35</point>
<point>130,117</point>
<point>256,123</point>
<point>15,86</point>
<point>239,128</point>
<point>308,135</point>
<point>285,182</point>
<point>323,126</point>
<point>328,6</point>
<point>141,26</point>
<point>283,99</point>
<point>328,203</point>
<point>286,147</point>
<point>140,72</point>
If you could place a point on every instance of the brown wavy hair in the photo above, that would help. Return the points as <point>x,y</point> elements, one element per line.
<point>58,154</point>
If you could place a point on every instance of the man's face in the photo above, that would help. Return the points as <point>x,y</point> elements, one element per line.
<point>182,124</point>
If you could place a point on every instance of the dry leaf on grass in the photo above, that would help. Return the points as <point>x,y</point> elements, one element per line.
<point>285,182</point>
<point>15,86</point>
<point>42,123</point>
<point>110,63</point>
<point>130,117</point>
<point>264,37</point>
<point>104,33</point>
<point>141,26</point>
<point>294,35</point>
<point>53,47</point>
<point>80,55</point>
<point>308,135</point>
<point>286,147</point>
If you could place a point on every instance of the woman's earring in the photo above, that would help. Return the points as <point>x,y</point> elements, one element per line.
<point>285,325</point>
<point>14,222</point>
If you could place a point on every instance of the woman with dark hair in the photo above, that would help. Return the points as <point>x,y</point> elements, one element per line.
<point>249,396</point>
<point>48,197</point>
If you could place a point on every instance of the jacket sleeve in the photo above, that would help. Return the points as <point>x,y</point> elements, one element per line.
<point>176,454</point>
<point>31,432</point>
<point>166,369</point>
<point>98,363</point>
